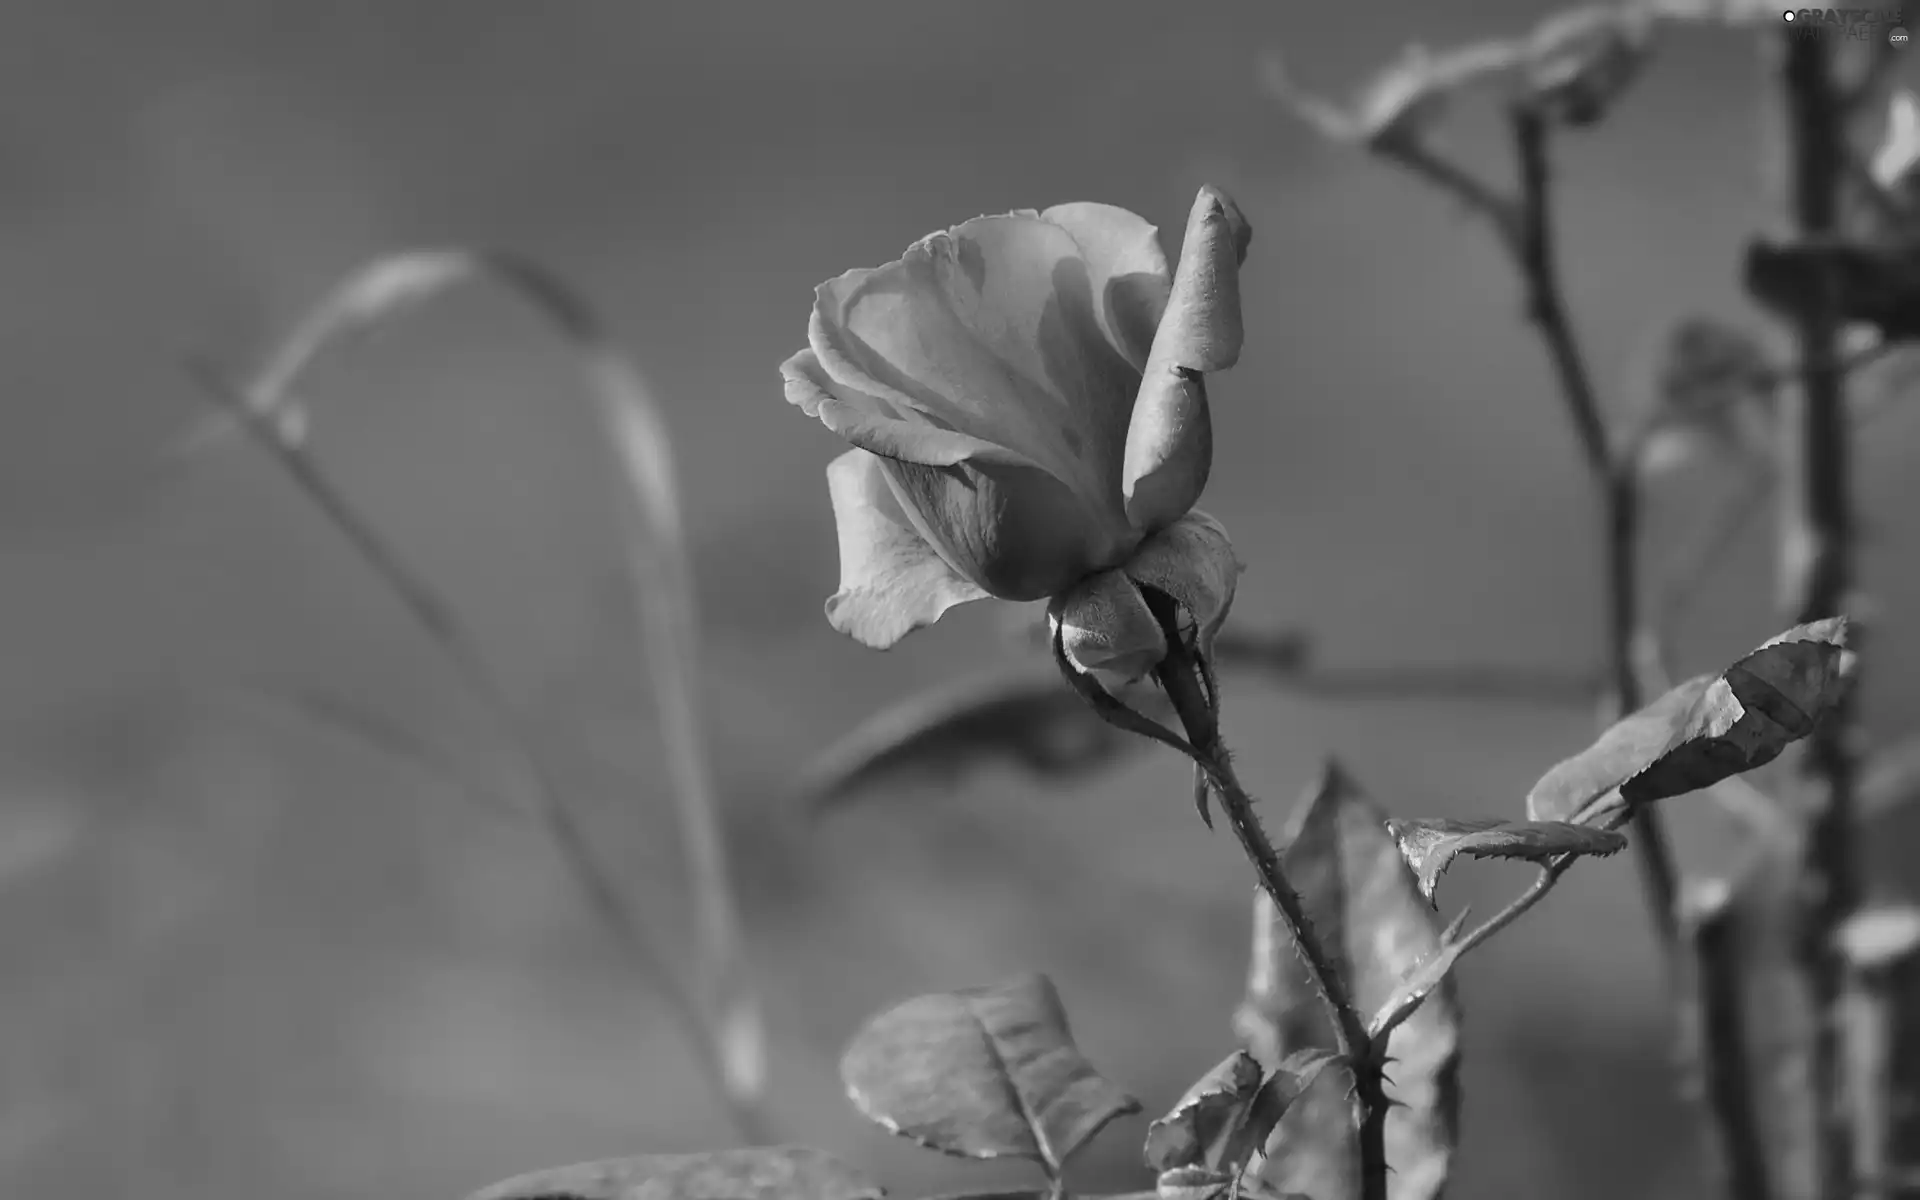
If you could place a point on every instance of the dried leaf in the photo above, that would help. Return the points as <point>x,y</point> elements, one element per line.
<point>1025,717</point>
<point>749,1173</point>
<point>1430,844</point>
<point>1403,101</point>
<point>1581,61</point>
<point>1368,912</point>
<point>982,1073</point>
<point>1705,729</point>
<point>1877,284</point>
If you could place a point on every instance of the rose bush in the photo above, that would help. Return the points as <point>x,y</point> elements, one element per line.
<point>1026,399</point>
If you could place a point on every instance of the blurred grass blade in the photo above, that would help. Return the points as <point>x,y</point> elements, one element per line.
<point>372,730</point>
<point>724,1008</point>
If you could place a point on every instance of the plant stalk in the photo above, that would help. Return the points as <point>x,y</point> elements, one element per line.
<point>1816,564</point>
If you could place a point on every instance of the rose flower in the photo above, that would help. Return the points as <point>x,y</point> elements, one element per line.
<point>1026,399</point>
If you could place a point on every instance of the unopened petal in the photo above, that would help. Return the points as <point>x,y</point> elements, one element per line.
<point>891,581</point>
<point>1105,626</point>
<point>1127,268</point>
<point>990,329</point>
<point>870,423</point>
<point>1014,530</point>
<point>1192,561</point>
<point>1170,439</point>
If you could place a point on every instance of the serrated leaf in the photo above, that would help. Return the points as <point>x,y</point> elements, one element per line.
<point>1579,62</point>
<point>1023,716</point>
<point>1705,729</point>
<point>1368,913</point>
<point>1198,1131</point>
<point>982,1073</point>
<point>1430,844</point>
<point>1225,1118</point>
<point>1421,980</point>
<point>749,1173</point>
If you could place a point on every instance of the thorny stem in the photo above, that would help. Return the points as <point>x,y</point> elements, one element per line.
<point>421,603</point>
<point>1187,682</point>
<point>1532,246</point>
<point>1816,530</point>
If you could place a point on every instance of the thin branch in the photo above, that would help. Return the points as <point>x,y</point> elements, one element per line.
<point>1816,530</point>
<point>1718,1029</point>
<point>1612,476</point>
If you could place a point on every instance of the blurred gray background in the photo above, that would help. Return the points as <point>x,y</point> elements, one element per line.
<point>246,957</point>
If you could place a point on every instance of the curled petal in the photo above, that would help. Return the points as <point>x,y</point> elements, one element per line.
<point>1127,268</point>
<point>871,423</point>
<point>990,330</point>
<point>1169,447</point>
<point>891,581</point>
<point>1192,561</point>
<point>1014,530</point>
<point>1105,626</point>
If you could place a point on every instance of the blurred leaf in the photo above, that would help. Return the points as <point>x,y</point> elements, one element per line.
<point>1581,61</point>
<point>1430,844</point>
<point>725,1011</point>
<point>1025,717</point>
<point>1224,1119</point>
<point>1404,100</point>
<point>1704,729</point>
<point>1711,390</point>
<point>1877,285</point>
<point>982,1073</point>
<point>749,1173</point>
<point>1367,910</point>
<point>1422,980</point>
<point>1889,779</point>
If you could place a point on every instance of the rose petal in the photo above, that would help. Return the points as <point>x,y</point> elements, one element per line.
<point>1128,269</point>
<point>990,330</point>
<point>1170,440</point>
<point>891,581</point>
<point>1015,531</point>
<point>1192,561</point>
<point>1104,625</point>
<point>871,423</point>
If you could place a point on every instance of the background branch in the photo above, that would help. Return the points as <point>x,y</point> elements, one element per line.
<point>1816,558</point>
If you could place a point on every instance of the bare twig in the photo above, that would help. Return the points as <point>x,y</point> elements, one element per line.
<point>1613,476</point>
<point>1816,531</point>
<point>1717,1027</point>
